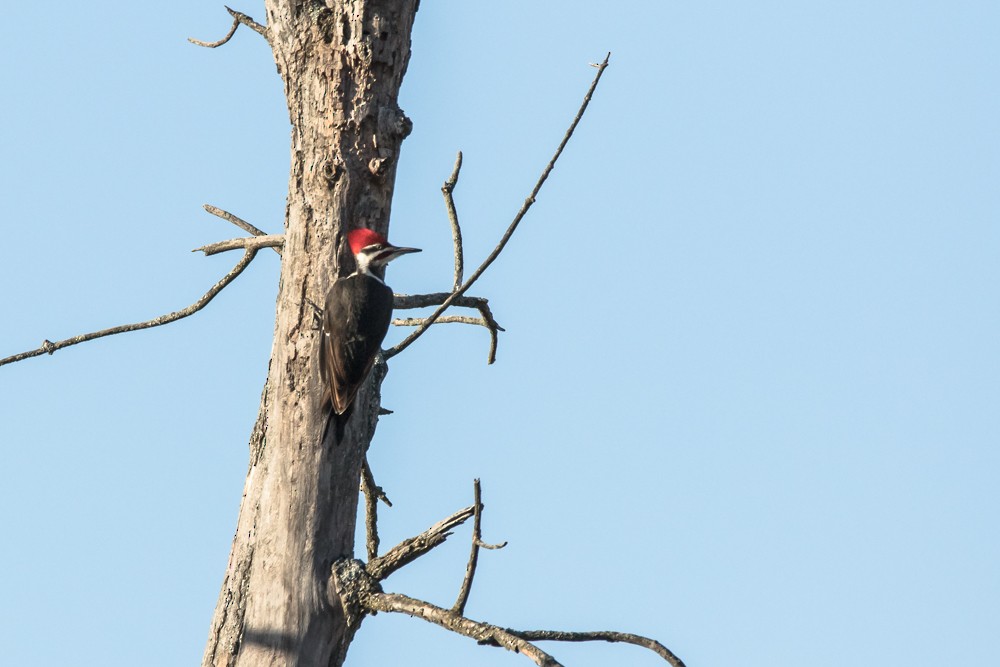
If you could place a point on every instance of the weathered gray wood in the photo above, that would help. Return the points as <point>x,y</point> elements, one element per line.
<point>342,64</point>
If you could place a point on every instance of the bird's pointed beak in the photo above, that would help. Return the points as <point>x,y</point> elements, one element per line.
<point>397,252</point>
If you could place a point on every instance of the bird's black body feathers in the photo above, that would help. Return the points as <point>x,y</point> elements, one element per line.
<point>356,318</point>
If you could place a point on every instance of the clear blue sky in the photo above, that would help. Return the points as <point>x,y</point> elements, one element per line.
<point>747,398</point>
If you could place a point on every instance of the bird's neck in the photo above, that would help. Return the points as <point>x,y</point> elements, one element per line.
<point>364,268</point>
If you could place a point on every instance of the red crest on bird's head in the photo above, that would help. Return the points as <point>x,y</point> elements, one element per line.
<point>362,238</point>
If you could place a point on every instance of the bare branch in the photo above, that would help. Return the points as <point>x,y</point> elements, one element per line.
<point>250,246</point>
<point>513,225</point>
<point>477,542</point>
<point>458,319</point>
<point>470,568</point>
<point>379,491</point>
<point>484,633</point>
<point>275,241</point>
<point>411,301</point>
<point>444,319</point>
<point>371,511</point>
<point>373,494</point>
<point>456,231</point>
<point>491,547</point>
<point>404,301</point>
<point>248,22</point>
<point>410,549</point>
<point>212,45</point>
<point>238,19</point>
<point>238,221</point>
<point>49,347</point>
<point>600,636</point>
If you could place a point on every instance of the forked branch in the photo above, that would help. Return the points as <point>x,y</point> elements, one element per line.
<point>406,301</point>
<point>49,347</point>
<point>477,543</point>
<point>362,594</point>
<point>421,300</point>
<point>456,294</point>
<point>413,548</point>
<point>239,18</point>
<point>250,248</point>
<point>483,633</point>
<point>239,222</point>
<point>600,636</point>
<point>373,493</point>
<point>456,230</point>
<point>275,241</point>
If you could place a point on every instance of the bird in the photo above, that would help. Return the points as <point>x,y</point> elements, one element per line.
<point>355,320</point>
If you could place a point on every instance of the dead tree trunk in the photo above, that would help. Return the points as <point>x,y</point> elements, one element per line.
<point>342,63</point>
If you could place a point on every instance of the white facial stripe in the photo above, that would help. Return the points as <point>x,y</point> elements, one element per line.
<point>364,260</point>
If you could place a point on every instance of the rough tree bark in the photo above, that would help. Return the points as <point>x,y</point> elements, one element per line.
<point>342,63</point>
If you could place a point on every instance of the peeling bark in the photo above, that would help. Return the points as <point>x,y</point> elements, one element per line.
<point>342,63</point>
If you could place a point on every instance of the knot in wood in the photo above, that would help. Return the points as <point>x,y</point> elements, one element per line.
<point>350,586</point>
<point>393,122</point>
<point>377,166</point>
<point>332,169</point>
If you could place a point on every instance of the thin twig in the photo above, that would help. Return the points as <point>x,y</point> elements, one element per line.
<point>371,509</point>
<point>235,219</point>
<point>458,319</point>
<point>613,637</point>
<point>275,241</point>
<point>477,542</point>
<point>456,231</point>
<point>238,18</point>
<point>212,45</point>
<point>470,568</point>
<point>49,347</point>
<point>513,225</point>
<point>411,301</point>
<point>373,493</point>
<point>238,221</point>
<point>248,22</point>
<point>379,491</point>
<point>483,633</point>
<point>444,319</point>
<point>406,301</point>
<point>410,549</point>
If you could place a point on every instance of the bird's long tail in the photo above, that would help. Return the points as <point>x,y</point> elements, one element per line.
<point>336,423</point>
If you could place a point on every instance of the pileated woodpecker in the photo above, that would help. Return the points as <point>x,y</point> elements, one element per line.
<point>356,317</point>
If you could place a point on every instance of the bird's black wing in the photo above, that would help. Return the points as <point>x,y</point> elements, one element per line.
<point>356,318</point>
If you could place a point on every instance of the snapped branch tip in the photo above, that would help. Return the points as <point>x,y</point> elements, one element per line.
<point>239,18</point>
